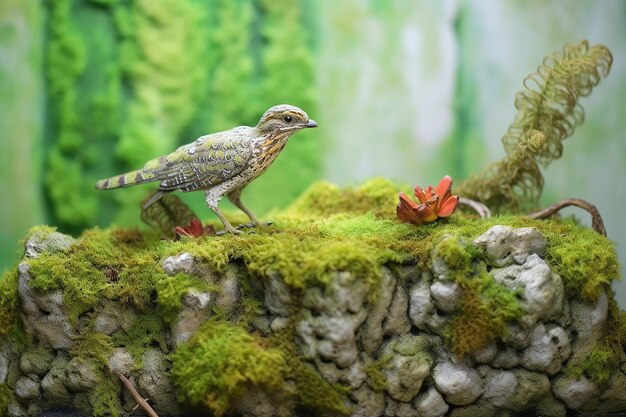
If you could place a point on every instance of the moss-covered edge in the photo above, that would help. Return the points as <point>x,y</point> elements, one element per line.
<point>326,230</point>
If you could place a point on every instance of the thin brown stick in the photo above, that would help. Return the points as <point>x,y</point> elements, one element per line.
<point>482,210</point>
<point>140,401</point>
<point>596,220</point>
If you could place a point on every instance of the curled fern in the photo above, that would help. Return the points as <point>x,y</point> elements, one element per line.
<point>548,112</point>
<point>167,213</point>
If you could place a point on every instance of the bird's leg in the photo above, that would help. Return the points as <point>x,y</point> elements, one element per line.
<point>235,197</point>
<point>212,201</point>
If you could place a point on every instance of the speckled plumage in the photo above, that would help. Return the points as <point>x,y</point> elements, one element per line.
<point>221,163</point>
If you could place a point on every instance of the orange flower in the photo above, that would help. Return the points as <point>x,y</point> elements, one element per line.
<point>434,203</point>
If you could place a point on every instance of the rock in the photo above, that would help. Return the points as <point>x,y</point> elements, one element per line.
<point>256,402</point>
<point>460,384</point>
<point>154,381</point>
<point>549,406</point>
<point>330,320</point>
<point>421,304</point>
<point>506,358</point>
<point>542,289</point>
<point>613,398</point>
<point>14,409</point>
<point>277,295</point>
<point>505,245</point>
<point>184,262</point>
<point>4,366</point>
<point>549,348</point>
<point>196,309</point>
<point>500,387</point>
<point>27,388</point>
<point>371,333</point>
<point>431,404</point>
<point>486,354</point>
<point>228,298</point>
<point>354,376</point>
<point>445,294</point>
<point>43,314</point>
<point>369,403</point>
<point>80,375</point>
<point>46,241</point>
<point>516,390</point>
<point>53,383</point>
<point>409,365</point>
<point>406,410</point>
<point>397,321</point>
<point>111,318</point>
<point>121,361</point>
<point>480,408</point>
<point>588,323</point>
<point>574,392</point>
<point>36,360</point>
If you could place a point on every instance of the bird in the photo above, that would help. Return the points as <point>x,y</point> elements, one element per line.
<point>221,164</point>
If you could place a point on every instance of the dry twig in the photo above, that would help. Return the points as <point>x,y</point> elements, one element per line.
<point>140,401</point>
<point>482,210</point>
<point>596,220</point>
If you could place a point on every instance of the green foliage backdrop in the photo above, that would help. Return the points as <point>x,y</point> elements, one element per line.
<point>131,80</point>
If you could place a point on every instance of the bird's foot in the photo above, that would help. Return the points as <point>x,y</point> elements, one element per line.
<point>237,229</point>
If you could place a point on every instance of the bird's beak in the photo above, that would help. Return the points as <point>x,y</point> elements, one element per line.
<point>310,123</point>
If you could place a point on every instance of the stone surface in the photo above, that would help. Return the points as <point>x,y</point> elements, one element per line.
<point>27,388</point>
<point>549,348</point>
<point>391,352</point>
<point>408,367</point>
<point>43,314</point>
<point>49,242</point>
<point>574,392</point>
<point>542,289</point>
<point>421,304</point>
<point>196,309</point>
<point>459,384</point>
<point>431,404</point>
<point>505,245</point>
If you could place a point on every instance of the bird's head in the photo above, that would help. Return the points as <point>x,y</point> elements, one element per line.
<point>284,118</point>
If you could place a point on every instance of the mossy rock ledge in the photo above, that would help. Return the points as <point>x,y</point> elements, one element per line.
<point>336,309</point>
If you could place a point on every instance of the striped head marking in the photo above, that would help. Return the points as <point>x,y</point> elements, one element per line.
<point>284,118</point>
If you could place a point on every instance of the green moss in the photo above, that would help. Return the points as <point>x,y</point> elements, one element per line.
<point>146,331</point>
<point>10,323</point>
<point>6,395</point>
<point>374,370</point>
<point>599,364</point>
<point>214,367</point>
<point>485,307</point>
<point>105,397</point>
<point>322,199</point>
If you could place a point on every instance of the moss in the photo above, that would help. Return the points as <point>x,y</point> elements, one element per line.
<point>10,323</point>
<point>105,397</point>
<point>322,199</point>
<point>485,307</point>
<point>147,331</point>
<point>599,364</point>
<point>6,395</point>
<point>215,365</point>
<point>374,370</point>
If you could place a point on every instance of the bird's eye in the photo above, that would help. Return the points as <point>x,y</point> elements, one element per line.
<point>287,119</point>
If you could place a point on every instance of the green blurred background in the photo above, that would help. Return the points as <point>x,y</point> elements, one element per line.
<point>410,90</point>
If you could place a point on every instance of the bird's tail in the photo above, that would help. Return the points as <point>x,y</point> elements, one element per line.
<point>125,180</point>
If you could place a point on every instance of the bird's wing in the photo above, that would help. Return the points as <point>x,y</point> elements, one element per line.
<point>208,161</point>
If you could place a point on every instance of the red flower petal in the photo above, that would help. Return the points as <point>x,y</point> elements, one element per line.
<point>407,210</point>
<point>195,227</point>
<point>443,188</point>
<point>448,206</point>
<point>426,214</point>
<point>420,194</point>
